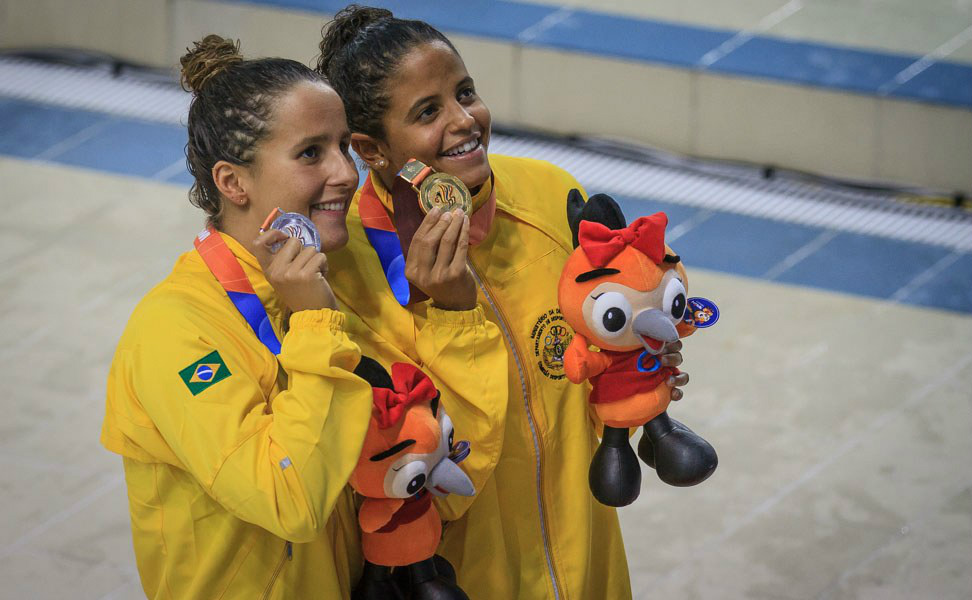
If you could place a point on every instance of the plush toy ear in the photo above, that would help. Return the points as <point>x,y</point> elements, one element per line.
<point>575,205</point>
<point>371,371</point>
<point>600,208</point>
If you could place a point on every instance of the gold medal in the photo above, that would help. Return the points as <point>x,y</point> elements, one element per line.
<point>436,189</point>
<point>446,192</point>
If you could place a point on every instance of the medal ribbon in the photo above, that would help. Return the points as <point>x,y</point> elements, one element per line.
<point>228,271</point>
<point>391,243</point>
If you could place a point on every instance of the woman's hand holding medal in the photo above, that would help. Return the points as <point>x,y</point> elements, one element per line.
<point>296,272</point>
<point>436,262</point>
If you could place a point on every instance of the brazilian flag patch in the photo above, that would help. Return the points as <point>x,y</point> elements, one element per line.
<point>204,372</point>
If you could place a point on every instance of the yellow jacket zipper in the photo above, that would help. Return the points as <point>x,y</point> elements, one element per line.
<point>288,554</point>
<point>501,321</point>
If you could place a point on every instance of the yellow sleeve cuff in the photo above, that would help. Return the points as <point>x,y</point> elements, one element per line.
<point>456,318</point>
<point>325,318</point>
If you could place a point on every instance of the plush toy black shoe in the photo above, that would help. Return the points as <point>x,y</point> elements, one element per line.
<point>645,450</point>
<point>443,568</point>
<point>377,584</point>
<point>426,583</point>
<point>680,456</point>
<point>615,475</point>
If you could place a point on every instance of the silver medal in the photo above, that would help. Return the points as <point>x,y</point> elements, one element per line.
<point>298,226</point>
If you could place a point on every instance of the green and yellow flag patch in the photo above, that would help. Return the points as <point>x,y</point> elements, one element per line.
<point>204,372</point>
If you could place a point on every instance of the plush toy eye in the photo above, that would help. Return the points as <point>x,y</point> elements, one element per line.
<point>409,479</point>
<point>416,483</point>
<point>611,313</point>
<point>674,299</point>
<point>448,433</point>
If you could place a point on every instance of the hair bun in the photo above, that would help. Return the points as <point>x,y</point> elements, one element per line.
<point>340,32</point>
<point>213,55</point>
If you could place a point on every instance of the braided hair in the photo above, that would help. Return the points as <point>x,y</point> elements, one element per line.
<point>231,110</point>
<point>360,49</point>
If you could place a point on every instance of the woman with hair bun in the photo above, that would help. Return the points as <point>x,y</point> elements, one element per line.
<point>231,396</point>
<point>533,530</point>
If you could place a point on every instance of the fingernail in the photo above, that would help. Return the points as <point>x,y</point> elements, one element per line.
<point>447,216</point>
<point>435,211</point>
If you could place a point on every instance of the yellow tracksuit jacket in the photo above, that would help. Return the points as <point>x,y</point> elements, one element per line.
<point>236,463</point>
<point>533,530</point>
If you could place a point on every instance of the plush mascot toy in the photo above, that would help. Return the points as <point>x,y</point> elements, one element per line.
<point>623,291</point>
<point>409,455</point>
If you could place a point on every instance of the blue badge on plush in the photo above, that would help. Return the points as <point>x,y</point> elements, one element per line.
<point>701,312</point>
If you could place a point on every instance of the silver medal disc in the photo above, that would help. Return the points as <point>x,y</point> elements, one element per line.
<point>298,226</point>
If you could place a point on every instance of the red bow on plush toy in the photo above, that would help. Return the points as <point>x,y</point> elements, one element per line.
<point>646,234</point>
<point>411,386</point>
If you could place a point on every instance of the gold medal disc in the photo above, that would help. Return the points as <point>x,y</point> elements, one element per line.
<point>445,191</point>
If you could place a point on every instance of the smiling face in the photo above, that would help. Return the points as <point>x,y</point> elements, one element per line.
<point>304,164</point>
<point>435,115</point>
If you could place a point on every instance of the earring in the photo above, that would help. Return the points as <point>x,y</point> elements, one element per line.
<point>382,163</point>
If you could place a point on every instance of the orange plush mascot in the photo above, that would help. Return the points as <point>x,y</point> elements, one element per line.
<point>409,455</point>
<point>624,291</point>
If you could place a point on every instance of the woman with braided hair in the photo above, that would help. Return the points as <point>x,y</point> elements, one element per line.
<point>238,434</point>
<point>232,397</point>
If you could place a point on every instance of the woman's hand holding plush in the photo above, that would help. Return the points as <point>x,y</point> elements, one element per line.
<point>671,356</point>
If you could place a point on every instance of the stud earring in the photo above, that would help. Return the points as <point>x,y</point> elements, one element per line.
<point>382,163</point>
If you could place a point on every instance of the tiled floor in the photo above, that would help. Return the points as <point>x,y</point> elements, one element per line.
<point>81,247</point>
<point>842,426</point>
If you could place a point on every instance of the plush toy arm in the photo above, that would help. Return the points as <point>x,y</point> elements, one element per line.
<point>685,329</point>
<point>376,512</point>
<point>580,364</point>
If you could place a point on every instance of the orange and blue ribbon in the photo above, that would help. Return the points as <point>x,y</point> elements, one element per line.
<point>227,270</point>
<point>383,237</point>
